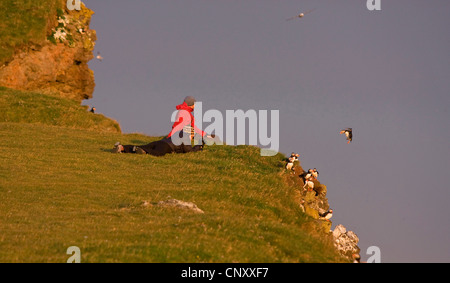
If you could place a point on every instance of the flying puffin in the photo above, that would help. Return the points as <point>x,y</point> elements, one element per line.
<point>99,57</point>
<point>326,215</point>
<point>348,133</point>
<point>301,15</point>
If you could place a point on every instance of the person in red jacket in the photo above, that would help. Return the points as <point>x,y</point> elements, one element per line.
<point>185,118</point>
<point>179,138</point>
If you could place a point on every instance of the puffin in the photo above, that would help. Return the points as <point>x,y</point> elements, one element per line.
<point>307,175</point>
<point>326,215</point>
<point>348,133</point>
<point>290,164</point>
<point>99,57</point>
<point>301,15</point>
<point>315,173</point>
<point>356,258</point>
<point>93,110</point>
<point>309,184</point>
<point>291,159</point>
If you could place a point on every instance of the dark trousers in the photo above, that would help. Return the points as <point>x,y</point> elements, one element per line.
<point>161,147</point>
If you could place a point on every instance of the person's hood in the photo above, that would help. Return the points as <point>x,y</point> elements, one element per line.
<point>184,106</point>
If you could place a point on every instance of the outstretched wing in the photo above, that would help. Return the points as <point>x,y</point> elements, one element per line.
<point>291,18</point>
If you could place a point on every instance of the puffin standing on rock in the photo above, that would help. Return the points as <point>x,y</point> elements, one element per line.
<point>99,57</point>
<point>315,173</point>
<point>348,133</point>
<point>326,215</point>
<point>290,161</point>
<point>309,185</point>
<point>309,175</point>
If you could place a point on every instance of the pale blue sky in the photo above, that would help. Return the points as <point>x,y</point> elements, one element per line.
<point>384,73</point>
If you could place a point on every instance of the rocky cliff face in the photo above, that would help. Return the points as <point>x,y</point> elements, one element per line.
<point>314,203</point>
<point>59,65</point>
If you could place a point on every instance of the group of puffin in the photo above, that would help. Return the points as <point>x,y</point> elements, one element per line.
<point>308,177</point>
<point>312,174</point>
<point>290,161</point>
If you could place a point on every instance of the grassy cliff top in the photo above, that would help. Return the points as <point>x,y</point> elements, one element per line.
<point>60,187</point>
<point>24,22</point>
<point>30,107</point>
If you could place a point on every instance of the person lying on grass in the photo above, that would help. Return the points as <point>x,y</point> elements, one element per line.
<point>178,140</point>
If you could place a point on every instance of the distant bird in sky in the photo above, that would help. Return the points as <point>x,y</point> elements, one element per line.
<point>301,15</point>
<point>348,133</point>
<point>99,57</point>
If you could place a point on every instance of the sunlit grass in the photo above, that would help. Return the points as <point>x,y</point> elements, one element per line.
<point>24,22</point>
<point>29,107</point>
<point>60,187</point>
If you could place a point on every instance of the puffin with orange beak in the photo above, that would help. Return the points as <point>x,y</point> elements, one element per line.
<point>315,173</point>
<point>348,133</point>
<point>290,161</point>
<point>326,215</point>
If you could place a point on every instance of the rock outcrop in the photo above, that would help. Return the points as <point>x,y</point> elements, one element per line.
<point>177,204</point>
<point>314,203</point>
<point>59,65</point>
<point>346,242</point>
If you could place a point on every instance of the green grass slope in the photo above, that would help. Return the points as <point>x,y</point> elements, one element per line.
<point>28,107</point>
<point>60,187</point>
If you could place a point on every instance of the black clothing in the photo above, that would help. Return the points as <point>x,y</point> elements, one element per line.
<point>163,147</point>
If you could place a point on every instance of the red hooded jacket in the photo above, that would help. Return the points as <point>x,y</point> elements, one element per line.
<point>185,118</point>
